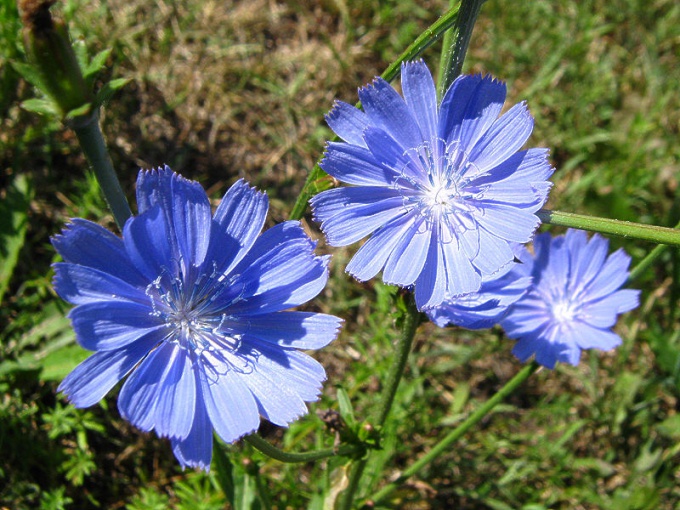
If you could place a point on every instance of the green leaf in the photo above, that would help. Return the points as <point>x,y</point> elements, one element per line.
<point>223,470</point>
<point>13,225</point>
<point>110,88</point>
<point>345,405</point>
<point>59,363</point>
<point>80,51</point>
<point>81,111</point>
<point>40,106</point>
<point>96,64</point>
<point>29,73</point>
<point>670,427</point>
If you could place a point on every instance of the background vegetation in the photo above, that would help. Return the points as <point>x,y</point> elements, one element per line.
<point>227,89</point>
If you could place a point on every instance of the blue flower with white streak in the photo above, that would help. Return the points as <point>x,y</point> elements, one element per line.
<point>486,307</point>
<point>574,301</point>
<point>191,305</point>
<point>440,188</point>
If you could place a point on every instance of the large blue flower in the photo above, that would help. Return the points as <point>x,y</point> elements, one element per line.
<point>441,188</point>
<point>574,300</point>
<point>192,305</point>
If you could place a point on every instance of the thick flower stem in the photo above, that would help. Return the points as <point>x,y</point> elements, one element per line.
<point>456,43</point>
<point>272,451</point>
<point>459,431</point>
<point>653,233</point>
<point>646,262</point>
<point>424,41</point>
<point>402,350</point>
<point>93,145</point>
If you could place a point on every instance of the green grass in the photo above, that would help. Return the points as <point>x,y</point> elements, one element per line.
<point>223,90</point>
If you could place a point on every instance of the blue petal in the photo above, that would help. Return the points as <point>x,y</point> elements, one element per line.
<point>93,378</point>
<point>408,257</point>
<point>195,450</point>
<point>161,393</point>
<point>186,209</point>
<point>405,163</point>
<point>81,284</point>
<point>177,398</point>
<point>524,349</point>
<point>88,244</point>
<point>371,257</point>
<point>494,254</point>
<point>421,96</point>
<point>348,123</point>
<point>387,110</point>
<point>508,223</point>
<point>505,137</point>
<point>350,214</point>
<point>299,330</point>
<point>274,390</point>
<point>483,309</point>
<point>357,165</point>
<point>238,221</point>
<point>299,373</point>
<point>586,336</point>
<point>526,318</point>
<point>626,299</point>
<point>111,325</point>
<point>459,275</point>
<point>432,283</point>
<point>469,108</point>
<point>612,275</point>
<point>149,244</point>
<point>280,272</point>
<point>230,405</point>
<point>520,180</point>
<point>585,260</point>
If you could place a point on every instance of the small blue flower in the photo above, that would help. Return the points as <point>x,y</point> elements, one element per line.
<point>574,300</point>
<point>485,308</point>
<point>191,305</point>
<point>441,189</point>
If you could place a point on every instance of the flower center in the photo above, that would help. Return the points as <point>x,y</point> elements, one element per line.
<point>434,182</point>
<point>187,305</point>
<point>564,312</point>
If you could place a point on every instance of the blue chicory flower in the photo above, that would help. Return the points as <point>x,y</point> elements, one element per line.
<point>574,300</point>
<point>486,307</point>
<point>441,189</point>
<point>192,306</point>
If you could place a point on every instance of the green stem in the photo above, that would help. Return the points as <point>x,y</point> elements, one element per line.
<point>455,434</point>
<point>402,350</point>
<point>456,43</point>
<point>272,451</point>
<point>661,235</point>
<point>93,145</point>
<point>646,262</point>
<point>424,41</point>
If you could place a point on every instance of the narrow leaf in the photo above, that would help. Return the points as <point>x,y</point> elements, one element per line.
<point>13,225</point>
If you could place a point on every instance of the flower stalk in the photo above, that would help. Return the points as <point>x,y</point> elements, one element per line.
<point>458,432</point>
<point>653,233</point>
<point>92,142</point>
<point>260,444</point>
<point>456,42</point>
<point>402,350</point>
<point>57,73</point>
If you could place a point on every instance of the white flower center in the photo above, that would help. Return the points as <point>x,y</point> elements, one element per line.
<point>189,310</point>
<point>442,194</point>
<point>564,312</point>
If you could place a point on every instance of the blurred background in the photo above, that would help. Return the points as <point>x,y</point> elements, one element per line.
<point>221,90</point>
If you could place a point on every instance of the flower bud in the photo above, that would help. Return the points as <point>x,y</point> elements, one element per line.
<point>48,48</point>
